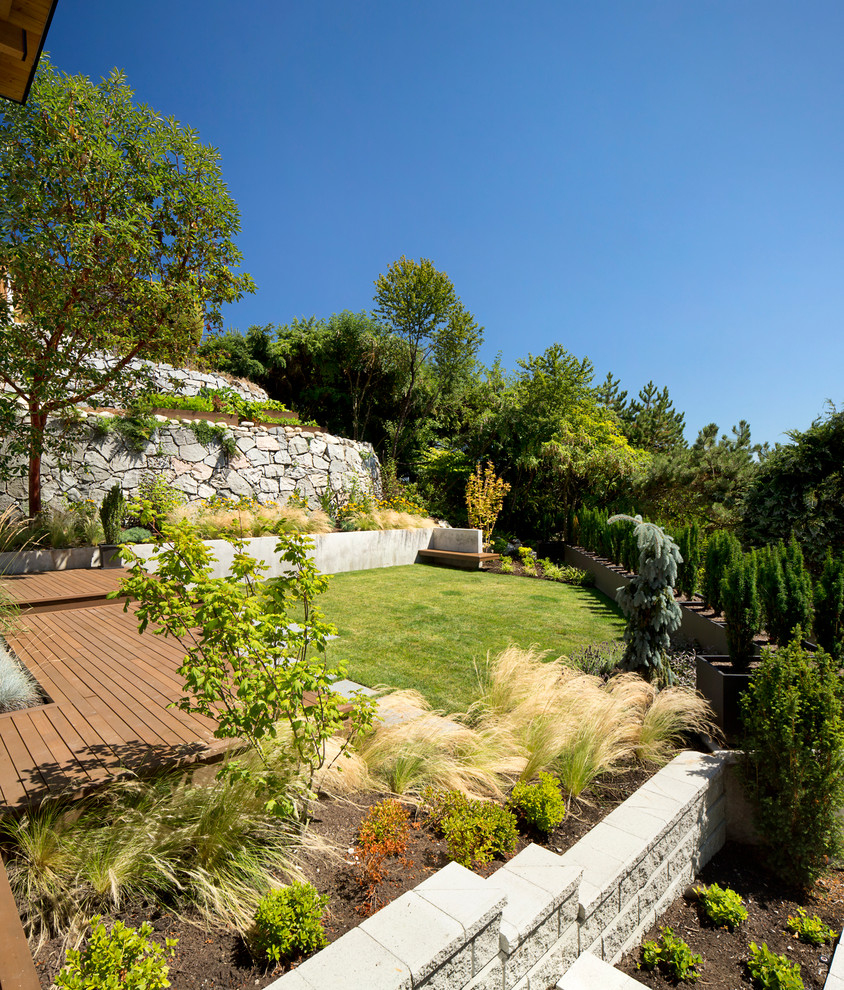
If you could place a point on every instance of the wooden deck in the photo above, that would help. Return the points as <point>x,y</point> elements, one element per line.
<point>61,589</point>
<point>109,689</point>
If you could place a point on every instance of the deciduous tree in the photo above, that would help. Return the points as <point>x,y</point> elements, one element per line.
<point>116,239</point>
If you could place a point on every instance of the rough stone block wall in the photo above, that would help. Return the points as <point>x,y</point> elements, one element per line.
<point>536,918</point>
<point>185,381</point>
<point>268,465</point>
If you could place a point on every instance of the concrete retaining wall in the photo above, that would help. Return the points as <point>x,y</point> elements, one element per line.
<point>524,926</point>
<point>335,553</point>
<point>609,577</point>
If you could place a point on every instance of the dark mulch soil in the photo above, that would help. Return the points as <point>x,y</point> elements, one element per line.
<point>724,952</point>
<point>214,958</point>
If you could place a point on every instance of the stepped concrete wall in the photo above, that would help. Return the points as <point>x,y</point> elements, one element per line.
<point>523,927</point>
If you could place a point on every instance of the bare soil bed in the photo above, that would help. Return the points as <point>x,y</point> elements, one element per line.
<point>725,953</point>
<point>217,958</point>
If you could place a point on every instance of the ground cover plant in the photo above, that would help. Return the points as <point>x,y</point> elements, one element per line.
<point>424,627</point>
<point>764,941</point>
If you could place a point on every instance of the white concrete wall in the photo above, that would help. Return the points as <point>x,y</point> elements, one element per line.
<point>337,552</point>
<point>523,927</point>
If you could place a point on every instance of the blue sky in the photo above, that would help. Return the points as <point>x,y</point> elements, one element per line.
<point>655,185</point>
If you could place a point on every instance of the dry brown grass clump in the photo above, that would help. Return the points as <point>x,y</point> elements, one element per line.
<point>531,715</point>
<point>216,523</point>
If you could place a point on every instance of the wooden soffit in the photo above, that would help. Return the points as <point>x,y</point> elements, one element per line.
<point>23,29</point>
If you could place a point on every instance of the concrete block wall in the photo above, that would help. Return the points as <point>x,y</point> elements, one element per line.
<point>525,926</point>
<point>335,553</point>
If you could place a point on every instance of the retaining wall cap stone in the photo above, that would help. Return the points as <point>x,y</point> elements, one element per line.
<point>356,961</point>
<point>472,901</point>
<point>589,972</point>
<point>413,930</point>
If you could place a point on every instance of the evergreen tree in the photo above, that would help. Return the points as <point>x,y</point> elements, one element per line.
<point>721,549</point>
<point>740,601</point>
<point>648,602</point>
<point>829,607</point>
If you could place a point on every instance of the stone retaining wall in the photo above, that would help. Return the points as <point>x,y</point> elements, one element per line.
<point>187,381</point>
<point>268,464</point>
<point>524,926</point>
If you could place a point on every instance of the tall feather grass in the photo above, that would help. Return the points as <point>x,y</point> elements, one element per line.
<point>209,847</point>
<point>530,715</point>
<point>216,523</point>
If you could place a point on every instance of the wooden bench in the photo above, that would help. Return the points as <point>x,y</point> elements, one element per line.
<point>456,558</point>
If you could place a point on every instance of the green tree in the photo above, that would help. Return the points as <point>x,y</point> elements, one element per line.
<point>829,607</point>
<point>648,602</point>
<point>247,665</point>
<point>706,482</point>
<point>117,239</point>
<point>799,491</point>
<point>422,309</point>
<point>650,421</point>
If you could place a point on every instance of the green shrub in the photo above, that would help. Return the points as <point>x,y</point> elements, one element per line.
<point>785,589</point>
<point>771,972</point>
<point>540,803</point>
<point>673,955</point>
<point>476,831</point>
<point>688,540</point>
<point>122,959</point>
<point>723,907</point>
<point>794,753</point>
<point>155,499</point>
<point>811,930</point>
<point>721,549</point>
<point>829,607</point>
<point>288,923</point>
<point>111,513</point>
<point>506,565</point>
<point>137,534</point>
<point>740,603</point>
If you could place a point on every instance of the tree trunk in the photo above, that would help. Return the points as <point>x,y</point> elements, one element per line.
<point>38,422</point>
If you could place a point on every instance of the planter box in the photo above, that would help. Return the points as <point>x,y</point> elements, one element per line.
<point>31,561</point>
<point>210,417</point>
<point>722,686</point>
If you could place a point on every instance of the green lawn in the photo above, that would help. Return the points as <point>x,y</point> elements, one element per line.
<point>422,627</point>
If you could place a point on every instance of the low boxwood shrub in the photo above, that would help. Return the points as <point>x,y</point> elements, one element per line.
<point>137,534</point>
<point>288,923</point>
<point>539,803</point>
<point>120,959</point>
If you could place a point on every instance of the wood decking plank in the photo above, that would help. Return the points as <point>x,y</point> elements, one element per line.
<point>110,690</point>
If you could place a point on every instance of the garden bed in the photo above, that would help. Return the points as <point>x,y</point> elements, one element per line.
<point>215,958</point>
<point>724,952</point>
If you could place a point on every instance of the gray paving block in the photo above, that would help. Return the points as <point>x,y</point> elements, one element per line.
<point>591,973</point>
<point>356,961</point>
<point>836,969</point>
<point>350,688</point>
<point>601,870</point>
<point>422,936</point>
